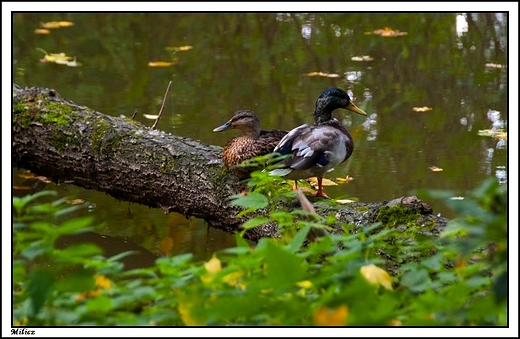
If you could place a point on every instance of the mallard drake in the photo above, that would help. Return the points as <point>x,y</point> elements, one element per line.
<point>252,143</point>
<point>317,148</point>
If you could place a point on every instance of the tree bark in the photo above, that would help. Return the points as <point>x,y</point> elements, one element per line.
<point>73,144</point>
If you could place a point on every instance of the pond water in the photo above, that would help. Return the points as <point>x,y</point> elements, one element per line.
<point>429,82</point>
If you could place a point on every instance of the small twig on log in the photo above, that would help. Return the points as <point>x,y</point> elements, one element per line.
<point>135,113</point>
<point>162,105</point>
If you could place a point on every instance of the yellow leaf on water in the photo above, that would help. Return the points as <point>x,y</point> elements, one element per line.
<point>457,198</point>
<point>325,182</point>
<point>322,74</point>
<point>422,109</point>
<point>344,180</point>
<point>362,58</point>
<point>325,316</point>
<point>43,179</point>
<point>213,265</point>
<point>59,58</point>
<point>42,31</point>
<point>75,201</point>
<point>179,48</point>
<point>73,63</point>
<point>56,24</point>
<point>345,201</point>
<point>27,175</point>
<point>435,169</point>
<point>159,64</point>
<point>501,136</point>
<point>50,24</point>
<point>376,276</point>
<point>151,116</point>
<point>66,24</point>
<point>387,32</point>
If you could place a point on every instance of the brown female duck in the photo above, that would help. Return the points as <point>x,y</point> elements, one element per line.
<point>252,143</point>
<point>317,148</point>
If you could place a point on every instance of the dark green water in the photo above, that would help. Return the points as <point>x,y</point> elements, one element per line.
<point>261,62</point>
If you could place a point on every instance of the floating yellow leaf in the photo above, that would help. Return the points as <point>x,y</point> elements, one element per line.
<point>322,74</point>
<point>325,182</point>
<point>27,175</point>
<point>75,201</point>
<point>73,63</point>
<point>213,265</point>
<point>387,32</point>
<point>42,31</point>
<point>179,48</point>
<point>151,116</point>
<point>362,58</point>
<point>376,276</point>
<point>457,198</point>
<point>345,201</point>
<point>160,64</point>
<point>56,24</point>
<point>501,136</point>
<point>59,58</point>
<point>495,133</point>
<point>43,179</point>
<point>344,180</point>
<point>422,109</point>
<point>435,169</point>
<point>325,316</point>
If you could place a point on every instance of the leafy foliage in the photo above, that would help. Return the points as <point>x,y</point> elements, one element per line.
<point>332,280</point>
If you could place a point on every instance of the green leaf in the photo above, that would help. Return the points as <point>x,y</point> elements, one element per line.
<point>253,200</point>
<point>284,268</point>
<point>500,287</point>
<point>39,286</point>
<point>241,242</point>
<point>35,251</point>
<point>99,305</point>
<point>254,222</point>
<point>434,262</point>
<point>20,203</point>
<point>120,256</point>
<point>416,281</point>
<point>298,239</point>
<point>73,253</point>
<point>63,211</point>
<point>79,280</point>
<point>75,225</point>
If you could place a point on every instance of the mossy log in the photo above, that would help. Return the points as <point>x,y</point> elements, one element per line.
<point>73,144</point>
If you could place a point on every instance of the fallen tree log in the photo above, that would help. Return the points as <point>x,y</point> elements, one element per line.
<point>73,144</point>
